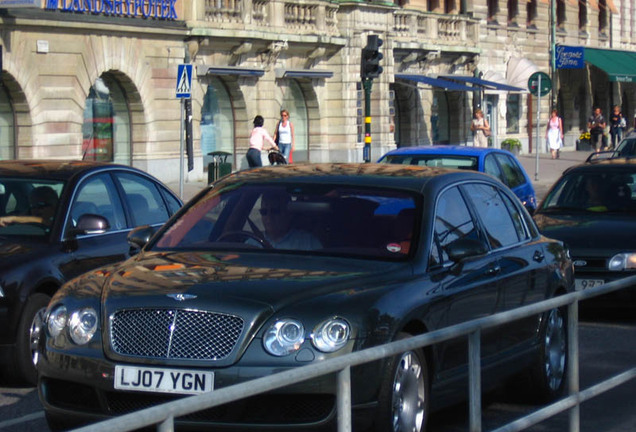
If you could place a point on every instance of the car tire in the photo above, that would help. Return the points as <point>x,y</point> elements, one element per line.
<point>23,367</point>
<point>547,377</point>
<point>404,393</point>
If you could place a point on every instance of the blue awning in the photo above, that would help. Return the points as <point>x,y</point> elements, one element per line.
<point>483,83</point>
<point>435,82</point>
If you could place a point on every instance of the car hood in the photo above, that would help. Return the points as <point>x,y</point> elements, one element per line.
<point>586,232</point>
<point>249,287</point>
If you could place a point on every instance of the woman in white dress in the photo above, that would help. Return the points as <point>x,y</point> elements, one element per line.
<point>554,133</point>
<point>480,128</point>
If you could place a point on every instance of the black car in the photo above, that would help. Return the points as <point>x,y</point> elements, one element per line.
<point>592,209</point>
<point>279,267</point>
<point>59,219</point>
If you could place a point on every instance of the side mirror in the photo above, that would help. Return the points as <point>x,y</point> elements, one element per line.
<point>140,236</point>
<point>465,248</point>
<point>90,224</point>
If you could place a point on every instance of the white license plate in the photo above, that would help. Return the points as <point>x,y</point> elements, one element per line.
<point>581,284</point>
<point>163,380</point>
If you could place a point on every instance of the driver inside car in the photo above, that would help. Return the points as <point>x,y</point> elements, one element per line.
<point>278,223</point>
<point>42,206</point>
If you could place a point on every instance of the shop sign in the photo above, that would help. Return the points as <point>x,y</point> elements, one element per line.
<point>569,57</point>
<point>151,9</point>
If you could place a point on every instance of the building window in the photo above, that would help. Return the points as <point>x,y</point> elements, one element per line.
<point>531,14</point>
<point>513,13</point>
<point>493,8</point>
<point>217,121</point>
<point>582,17</point>
<point>513,113</point>
<point>560,15</point>
<point>602,17</point>
<point>7,131</point>
<point>106,129</point>
<point>433,6</point>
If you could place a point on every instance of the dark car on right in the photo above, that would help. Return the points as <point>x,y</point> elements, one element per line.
<point>592,209</point>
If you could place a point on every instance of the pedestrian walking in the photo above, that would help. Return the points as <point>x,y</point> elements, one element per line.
<point>617,125</point>
<point>284,135</point>
<point>596,124</point>
<point>554,133</point>
<point>257,141</point>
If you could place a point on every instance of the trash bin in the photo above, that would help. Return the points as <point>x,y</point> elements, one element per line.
<point>219,166</point>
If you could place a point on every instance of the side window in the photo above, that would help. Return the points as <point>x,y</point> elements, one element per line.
<point>144,200</point>
<point>494,214</point>
<point>97,195</point>
<point>511,171</point>
<point>491,167</point>
<point>452,221</point>
<point>173,204</point>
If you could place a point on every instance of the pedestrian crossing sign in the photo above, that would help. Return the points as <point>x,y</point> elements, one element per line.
<point>184,81</point>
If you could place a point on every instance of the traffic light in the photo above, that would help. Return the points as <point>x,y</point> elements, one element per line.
<point>371,56</point>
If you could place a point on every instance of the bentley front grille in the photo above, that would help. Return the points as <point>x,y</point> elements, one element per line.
<point>174,333</point>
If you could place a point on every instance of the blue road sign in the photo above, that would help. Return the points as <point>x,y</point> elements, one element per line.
<point>184,81</point>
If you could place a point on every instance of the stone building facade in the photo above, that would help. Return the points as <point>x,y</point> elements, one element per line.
<point>97,79</point>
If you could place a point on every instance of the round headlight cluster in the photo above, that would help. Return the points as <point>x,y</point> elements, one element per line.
<point>82,323</point>
<point>331,335</point>
<point>622,261</point>
<point>286,336</point>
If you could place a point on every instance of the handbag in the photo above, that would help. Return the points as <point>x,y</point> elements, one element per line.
<point>487,132</point>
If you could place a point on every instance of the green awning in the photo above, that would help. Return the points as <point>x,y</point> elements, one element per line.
<point>619,65</point>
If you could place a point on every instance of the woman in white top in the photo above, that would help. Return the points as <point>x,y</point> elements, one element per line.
<point>481,129</point>
<point>285,134</point>
<point>554,133</point>
<point>257,140</point>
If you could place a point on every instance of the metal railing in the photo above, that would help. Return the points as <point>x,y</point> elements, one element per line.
<point>163,415</point>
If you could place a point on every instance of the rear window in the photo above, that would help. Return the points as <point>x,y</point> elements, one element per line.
<point>310,219</point>
<point>444,161</point>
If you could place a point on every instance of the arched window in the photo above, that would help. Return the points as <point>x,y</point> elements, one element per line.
<point>582,16</point>
<point>7,127</point>
<point>493,8</point>
<point>217,121</point>
<point>513,12</point>
<point>560,15</point>
<point>602,16</point>
<point>106,133</point>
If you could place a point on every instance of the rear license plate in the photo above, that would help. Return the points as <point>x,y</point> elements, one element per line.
<point>162,380</point>
<point>581,284</point>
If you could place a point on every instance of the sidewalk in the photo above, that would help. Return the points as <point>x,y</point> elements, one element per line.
<point>549,171</point>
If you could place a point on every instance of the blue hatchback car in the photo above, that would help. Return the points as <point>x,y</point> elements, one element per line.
<point>499,163</point>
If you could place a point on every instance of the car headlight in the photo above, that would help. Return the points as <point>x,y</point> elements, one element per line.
<point>82,325</point>
<point>56,320</point>
<point>284,337</point>
<point>622,261</point>
<point>331,335</point>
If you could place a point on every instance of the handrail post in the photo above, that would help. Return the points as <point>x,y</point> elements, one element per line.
<point>573,364</point>
<point>167,425</point>
<point>474,380</point>
<point>344,400</point>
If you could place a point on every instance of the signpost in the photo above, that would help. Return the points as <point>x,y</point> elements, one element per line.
<point>539,84</point>
<point>183,92</point>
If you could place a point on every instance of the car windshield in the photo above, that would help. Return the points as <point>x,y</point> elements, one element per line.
<point>28,206</point>
<point>312,219</point>
<point>609,191</point>
<point>627,147</point>
<point>445,161</point>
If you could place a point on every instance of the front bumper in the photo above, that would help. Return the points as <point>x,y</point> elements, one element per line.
<point>81,390</point>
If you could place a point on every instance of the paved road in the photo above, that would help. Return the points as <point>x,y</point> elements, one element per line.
<point>607,349</point>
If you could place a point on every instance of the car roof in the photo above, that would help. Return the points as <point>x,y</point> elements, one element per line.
<point>359,174</point>
<point>51,169</point>
<point>602,165</point>
<point>446,149</point>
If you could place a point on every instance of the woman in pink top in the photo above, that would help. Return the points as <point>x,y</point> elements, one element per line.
<point>257,140</point>
<point>554,133</point>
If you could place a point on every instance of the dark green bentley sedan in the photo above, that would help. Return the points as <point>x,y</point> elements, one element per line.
<point>271,269</point>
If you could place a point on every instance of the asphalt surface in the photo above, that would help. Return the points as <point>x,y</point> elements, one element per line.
<point>543,174</point>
